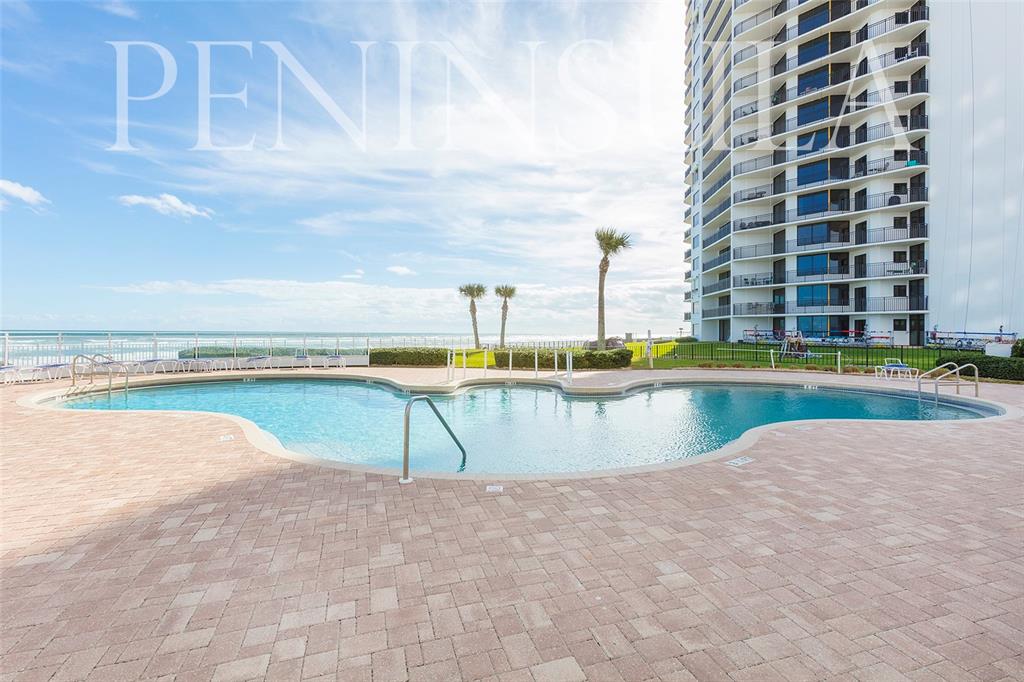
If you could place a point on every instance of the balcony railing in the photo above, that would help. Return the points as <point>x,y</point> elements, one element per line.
<point>852,105</point>
<point>718,184</point>
<point>765,15</point>
<point>854,171</point>
<point>718,235</point>
<point>717,159</point>
<point>897,20</point>
<point>716,261</point>
<point>718,311</point>
<point>876,236</point>
<point>872,134</point>
<point>881,304</point>
<point>718,210</point>
<point>715,287</point>
<point>833,273</point>
<point>866,203</point>
<point>897,56</point>
<point>688,254</point>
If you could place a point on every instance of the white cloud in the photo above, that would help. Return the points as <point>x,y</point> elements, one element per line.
<point>166,204</point>
<point>529,209</point>
<point>355,274</point>
<point>119,8</point>
<point>400,270</point>
<point>296,305</point>
<point>493,207</point>
<point>345,222</point>
<point>23,193</point>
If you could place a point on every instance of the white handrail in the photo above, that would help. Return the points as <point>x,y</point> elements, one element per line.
<point>93,361</point>
<point>952,369</point>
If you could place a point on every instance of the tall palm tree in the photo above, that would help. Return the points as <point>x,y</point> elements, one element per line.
<point>473,292</point>
<point>610,242</point>
<point>505,291</point>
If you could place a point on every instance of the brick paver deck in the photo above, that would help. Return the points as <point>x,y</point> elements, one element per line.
<point>142,546</point>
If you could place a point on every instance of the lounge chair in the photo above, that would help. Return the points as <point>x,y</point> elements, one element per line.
<point>894,368</point>
<point>339,360</point>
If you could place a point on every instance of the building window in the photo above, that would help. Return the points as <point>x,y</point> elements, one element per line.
<point>812,111</point>
<point>812,234</point>
<point>815,294</point>
<point>812,142</point>
<point>812,203</point>
<point>899,325</point>
<point>812,172</point>
<point>899,256</point>
<point>812,325</point>
<point>899,290</point>
<point>812,80</point>
<point>812,50</point>
<point>808,21</point>
<point>812,265</point>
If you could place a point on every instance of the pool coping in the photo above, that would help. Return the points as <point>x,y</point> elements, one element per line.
<point>266,442</point>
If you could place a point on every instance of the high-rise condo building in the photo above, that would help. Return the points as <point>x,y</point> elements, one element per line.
<point>854,167</point>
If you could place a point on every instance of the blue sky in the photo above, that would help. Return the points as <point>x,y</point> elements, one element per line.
<point>529,124</point>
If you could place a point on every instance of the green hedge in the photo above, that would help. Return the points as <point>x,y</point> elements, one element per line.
<point>581,359</point>
<point>1018,348</point>
<point>989,365</point>
<point>429,357</point>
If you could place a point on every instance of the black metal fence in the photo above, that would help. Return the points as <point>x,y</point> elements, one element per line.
<point>823,355</point>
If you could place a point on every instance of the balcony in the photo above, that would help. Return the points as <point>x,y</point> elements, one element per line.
<point>872,134</point>
<point>687,317</point>
<point>867,203</point>
<point>687,296</point>
<point>855,171</point>
<point>876,236</point>
<point>765,15</point>
<point>718,210</point>
<point>863,101</point>
<point>720,285</point>
<point>718,311</point>
<point>892,23</point>
<point>716,261</point>
<point>833,273</point>
<point>718,185</point>
<point>897,56</point>
<point>717,159</point>
<point>688,275</point>
<point>718,235</point>
<point>881,304</point>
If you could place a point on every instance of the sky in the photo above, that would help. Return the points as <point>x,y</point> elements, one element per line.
<point>488,143</point>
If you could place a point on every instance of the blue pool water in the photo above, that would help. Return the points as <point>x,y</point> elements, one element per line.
<point>521,429</point>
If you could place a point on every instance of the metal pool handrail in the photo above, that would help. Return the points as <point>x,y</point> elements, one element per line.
<point>108,362</point>
<point>406,478</point>
<point>952,369</point>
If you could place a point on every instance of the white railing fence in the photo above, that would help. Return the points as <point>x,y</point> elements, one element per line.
<point>24,349</point>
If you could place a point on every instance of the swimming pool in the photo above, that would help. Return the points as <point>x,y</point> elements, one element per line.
<point>516,429</point>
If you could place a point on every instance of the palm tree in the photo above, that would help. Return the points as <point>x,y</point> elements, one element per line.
<point>473,292</point>
<point>505,291</point>
<point>610,242</point>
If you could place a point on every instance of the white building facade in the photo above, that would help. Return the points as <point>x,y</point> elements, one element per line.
<point>855,168</point>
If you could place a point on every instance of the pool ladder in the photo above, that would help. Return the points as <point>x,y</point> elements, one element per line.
<point>107,363</point>
<point>406,478</point>
<point>947,374</point>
